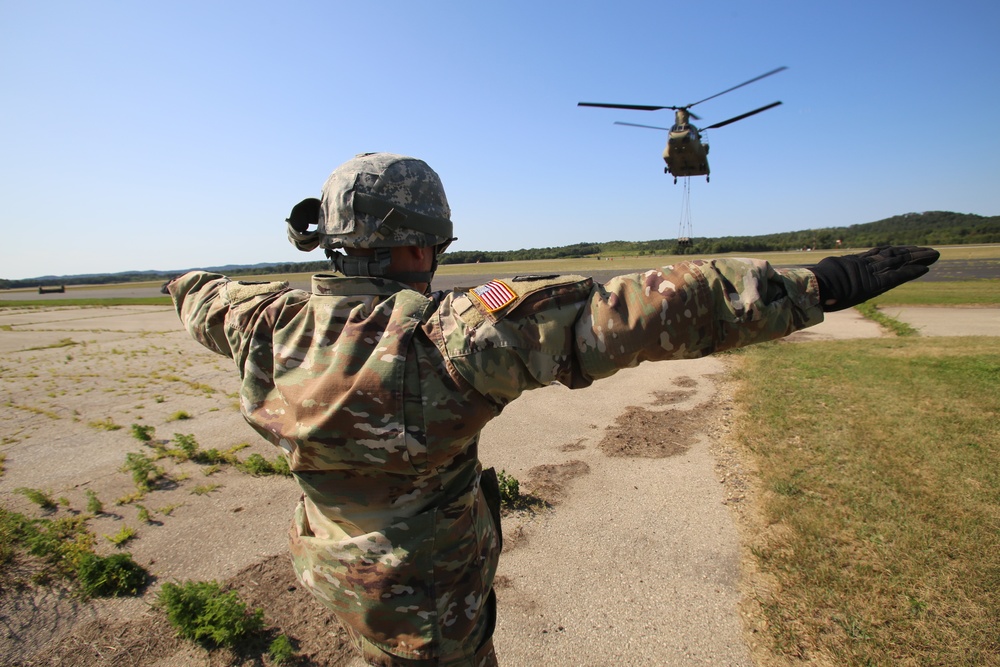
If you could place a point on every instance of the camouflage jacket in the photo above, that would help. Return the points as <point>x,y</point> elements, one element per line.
<point>377,394</point>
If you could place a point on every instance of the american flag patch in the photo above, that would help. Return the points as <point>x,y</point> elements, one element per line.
<point>494,295</point>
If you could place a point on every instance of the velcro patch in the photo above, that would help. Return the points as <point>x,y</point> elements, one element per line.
<point>494,295</point>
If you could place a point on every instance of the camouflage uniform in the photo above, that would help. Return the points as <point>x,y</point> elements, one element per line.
<point>377,394</point>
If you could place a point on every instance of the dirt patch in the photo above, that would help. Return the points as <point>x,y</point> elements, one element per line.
<point>548,482</point>
<point>148,639</point>
<point>653,434</point>
<point>573,446</point>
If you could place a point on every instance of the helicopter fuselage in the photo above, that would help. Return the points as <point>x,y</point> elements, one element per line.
<point>685,154</point>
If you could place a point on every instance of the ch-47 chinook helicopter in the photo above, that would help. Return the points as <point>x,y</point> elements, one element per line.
<point>686,154</point>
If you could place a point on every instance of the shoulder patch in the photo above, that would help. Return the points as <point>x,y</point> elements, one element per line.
<point>494,295</point>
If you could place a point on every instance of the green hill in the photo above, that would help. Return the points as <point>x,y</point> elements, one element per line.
<point>928,228</point>
<point>933,228</point>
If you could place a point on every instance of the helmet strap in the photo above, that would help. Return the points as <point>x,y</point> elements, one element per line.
<point>376,265</point>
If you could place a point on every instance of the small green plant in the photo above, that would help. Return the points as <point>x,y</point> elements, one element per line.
<point>167,510</point>
<point>214,456</point>
<point>510,489</point>
<point>106,424</point>
<point>180,415</point>
<point>144,471</point>
<point>204,489</point>
<point>281,650</point>
<point>40,498</point>
<point>111,576</point>
<point>187,446</point>
<point>158,398</point>
<point>122,536</point>
<point>94,504</point>
<point>258,466</point>
<point>3,458</point>
<point>131,498</point>
<point>143,514</point>
<point>143,432</point>
<point>201,611</point>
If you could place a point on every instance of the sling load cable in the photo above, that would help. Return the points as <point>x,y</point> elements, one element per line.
<point>684,230</point>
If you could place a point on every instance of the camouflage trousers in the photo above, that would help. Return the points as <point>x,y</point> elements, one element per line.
<point>484,656</point>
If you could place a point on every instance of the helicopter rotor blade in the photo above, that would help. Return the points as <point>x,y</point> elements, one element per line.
<point>756,78</point>
<point>651,127</point>
<point>741,116</point>
<point>637,107</point>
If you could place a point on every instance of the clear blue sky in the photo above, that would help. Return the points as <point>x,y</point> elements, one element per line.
<point>139,135</point>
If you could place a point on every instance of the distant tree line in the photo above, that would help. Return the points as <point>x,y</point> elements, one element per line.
<point>929,228</point>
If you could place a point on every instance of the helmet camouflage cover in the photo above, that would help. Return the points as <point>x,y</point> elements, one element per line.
<point>377,200</point>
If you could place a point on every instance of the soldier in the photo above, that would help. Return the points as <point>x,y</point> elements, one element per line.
<point>376,388</point>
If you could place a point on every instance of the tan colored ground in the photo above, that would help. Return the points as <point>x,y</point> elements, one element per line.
<point>636,560</point>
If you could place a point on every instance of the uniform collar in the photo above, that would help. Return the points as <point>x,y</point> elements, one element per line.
<point>328,284</point>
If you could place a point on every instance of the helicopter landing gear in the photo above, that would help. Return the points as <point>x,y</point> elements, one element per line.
<point>707,178</point>
<point>675,180</point>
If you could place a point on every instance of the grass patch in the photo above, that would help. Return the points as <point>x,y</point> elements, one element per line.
<point>120,301</point>
<point>879,462</point>
<point>180,415</point>
<point>948,293</point>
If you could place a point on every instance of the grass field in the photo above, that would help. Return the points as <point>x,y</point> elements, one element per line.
<point>879,470</point>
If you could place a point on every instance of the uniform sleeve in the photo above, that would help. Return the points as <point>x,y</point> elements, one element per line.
<point>216,311</point>
<point>576,332</point>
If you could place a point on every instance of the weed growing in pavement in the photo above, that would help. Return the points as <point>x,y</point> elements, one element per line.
<point>144,472</point>
<point>871,311</point>
<point>180,415</point>
<point>40,498</point>
<point>204,489</point>
<point>122,536</point>
<point>143,514</point>
<point>258,466</point>
<point>142,432</point>
<point>106,424</point>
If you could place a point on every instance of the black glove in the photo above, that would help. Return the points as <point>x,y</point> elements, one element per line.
<point>846,281</point>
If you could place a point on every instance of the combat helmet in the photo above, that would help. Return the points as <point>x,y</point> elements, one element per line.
<point>375,201</point>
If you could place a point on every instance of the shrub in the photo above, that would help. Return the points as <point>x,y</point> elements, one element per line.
<point>201,611</point>
<point>113,576</point>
